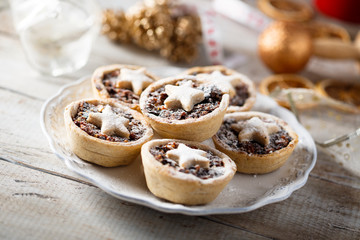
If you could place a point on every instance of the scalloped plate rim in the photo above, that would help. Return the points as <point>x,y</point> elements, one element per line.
<point>187,210</point>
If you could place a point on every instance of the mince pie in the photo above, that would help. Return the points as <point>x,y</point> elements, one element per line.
<point>185,172</point>
<point>184,108</point>
<point>347,94</point>
<point>321,30</point>
<point>257,142</point>
<point>286,10</point>
<point>105,132</point>
<point>122,82</point>
<point>274,84</point>
<point>240,87</point>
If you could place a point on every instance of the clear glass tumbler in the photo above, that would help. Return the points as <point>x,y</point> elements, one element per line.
<point>57,35</point>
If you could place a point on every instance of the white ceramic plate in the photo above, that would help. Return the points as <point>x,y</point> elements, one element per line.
<point>244,193</point>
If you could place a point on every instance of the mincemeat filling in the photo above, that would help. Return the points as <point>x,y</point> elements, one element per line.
<point>229,137</point>
<point>155,103</point>
<point>135,127</point>
<point>159,152</point>
<point>125,95</point>
<point>352,95</point>
<point>242,92</point>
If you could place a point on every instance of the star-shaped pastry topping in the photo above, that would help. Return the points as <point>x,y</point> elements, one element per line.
<point>110,122</point>
<point>256,129</point>
<point>184,96</point>
<point>187,157</point>
<point>224,82</point>
<point>136,79</point>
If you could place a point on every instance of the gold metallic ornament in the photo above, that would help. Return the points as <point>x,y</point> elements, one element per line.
<point>286,10</point>
<point>150,26</point>
<point>159,25</point>
<point>285,47</point>
<point>115,26</point>
<point>183,43</point>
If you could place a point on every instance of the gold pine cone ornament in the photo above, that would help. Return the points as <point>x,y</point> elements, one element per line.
<point>157,25</point>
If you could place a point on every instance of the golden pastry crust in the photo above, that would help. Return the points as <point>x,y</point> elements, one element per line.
<point>241,80</point>
<point>285,81</point>
<point>319,29</point>
<point>99,89</point>
<point>286,10</point>
<point>169,183</point>
<point>254,163</point>
<point>102,152</point>
<point>194,129</point>
<point>347,94</point>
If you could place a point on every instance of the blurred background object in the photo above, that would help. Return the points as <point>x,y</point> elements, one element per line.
<point>4,4</point>
<point>166,26</point>
<point>285,47</point>
<point>284,10</point>
<point>345,10</point>
<point>56,35</point>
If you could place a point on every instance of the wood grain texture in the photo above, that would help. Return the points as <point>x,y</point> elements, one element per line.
<point>309,208</point>
<point>41,199</point>
<point>320,210</point>
<point>34,207</point>
<point>21,137</point>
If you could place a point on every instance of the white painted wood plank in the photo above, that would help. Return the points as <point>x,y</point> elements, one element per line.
<point>20,141</point>
<point>18,75</point>
<point>320,210</point>
<point>35,205</point>
<point>105,52</point>
<point>21,137</point>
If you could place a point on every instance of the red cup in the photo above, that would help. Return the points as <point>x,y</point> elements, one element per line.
<point>346,10</point>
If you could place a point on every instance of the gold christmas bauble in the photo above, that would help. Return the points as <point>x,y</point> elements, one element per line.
<point>285,47</point>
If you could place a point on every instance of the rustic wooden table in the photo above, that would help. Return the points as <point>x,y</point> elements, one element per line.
<point>40,198</point>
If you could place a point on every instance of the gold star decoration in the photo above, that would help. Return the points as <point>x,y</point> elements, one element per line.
<point>110,122</point>
<point>134,79</point>
<point>255,129</point>
<point>184,96</point>
<point>187,157</point>
<point>224,82</point>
